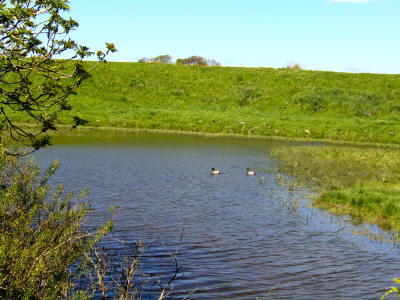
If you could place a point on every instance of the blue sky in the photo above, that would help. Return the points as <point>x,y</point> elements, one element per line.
<point>337,35</point>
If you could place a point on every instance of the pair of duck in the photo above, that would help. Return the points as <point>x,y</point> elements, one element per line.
<point>218,172</point>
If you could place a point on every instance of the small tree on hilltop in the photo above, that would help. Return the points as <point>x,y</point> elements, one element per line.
<point>32,82</point>
<point>294,66</point>
<point>162,59</point>
<point>143,60</point>
<point>213,63</point>
<point>198,61</point>
<point>192,60</point>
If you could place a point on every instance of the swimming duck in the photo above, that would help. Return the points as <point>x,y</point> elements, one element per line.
<point>250,173</point>
<point>215,172</point>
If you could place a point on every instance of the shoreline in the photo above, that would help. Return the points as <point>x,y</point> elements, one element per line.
<point>327,142</point>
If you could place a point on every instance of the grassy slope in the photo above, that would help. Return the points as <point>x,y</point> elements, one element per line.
<point>270,102</point>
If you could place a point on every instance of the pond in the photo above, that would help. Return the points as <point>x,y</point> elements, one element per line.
<point>238,242</point>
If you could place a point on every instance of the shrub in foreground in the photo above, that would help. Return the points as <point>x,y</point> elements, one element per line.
<point>41,234</point>
<point>45,251</point>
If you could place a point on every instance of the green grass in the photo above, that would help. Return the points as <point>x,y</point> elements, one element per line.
<point>248,101</point>
<point>363,182</point>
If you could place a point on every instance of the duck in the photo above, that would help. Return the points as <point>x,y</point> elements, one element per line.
<point>250,173</point>
<point>215,172</point>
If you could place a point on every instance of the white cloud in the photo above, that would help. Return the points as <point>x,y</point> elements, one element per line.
<point>349,1</point>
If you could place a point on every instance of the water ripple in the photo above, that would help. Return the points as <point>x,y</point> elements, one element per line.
<point>238,242</point>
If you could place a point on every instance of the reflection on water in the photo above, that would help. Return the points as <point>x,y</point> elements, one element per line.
<point>238,241</point>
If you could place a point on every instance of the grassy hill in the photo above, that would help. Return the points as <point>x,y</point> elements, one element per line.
<point>249,101</point>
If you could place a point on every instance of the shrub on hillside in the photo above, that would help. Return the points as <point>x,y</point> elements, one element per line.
<point>137,82</point>
<point>247,94</point>
<point>313,102</point>
<point>366,105</point>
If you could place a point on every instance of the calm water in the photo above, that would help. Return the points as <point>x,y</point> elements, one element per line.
<point>238,242</point>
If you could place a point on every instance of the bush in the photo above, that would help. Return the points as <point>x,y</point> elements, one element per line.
<point>294,67</point>
<point>41,235</point>
<point>313,102</point>
<point>137,82</point>
<point>192,60</point>
<point>213,63</point>
<point>44,249</point>
<point>247,94</point>
<point>198,61</point>
<point>162,59</point>
<point>367,105</point>
<point>144,60</point>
